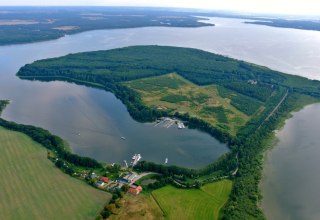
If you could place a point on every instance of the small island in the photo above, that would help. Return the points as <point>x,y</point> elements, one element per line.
<point>238,103</point>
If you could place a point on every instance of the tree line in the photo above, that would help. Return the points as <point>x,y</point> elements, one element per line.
<point>51,142</point>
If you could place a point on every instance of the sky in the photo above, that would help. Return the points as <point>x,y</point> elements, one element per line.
<point>300,7</point>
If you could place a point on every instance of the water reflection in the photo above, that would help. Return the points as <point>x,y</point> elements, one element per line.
<point>291,179</point>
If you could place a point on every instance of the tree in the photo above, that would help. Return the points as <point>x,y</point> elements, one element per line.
<point>105,214</point>
<point>125,187</point>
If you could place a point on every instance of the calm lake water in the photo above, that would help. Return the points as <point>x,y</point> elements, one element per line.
<point>292,176</point>
<point>68,110</point>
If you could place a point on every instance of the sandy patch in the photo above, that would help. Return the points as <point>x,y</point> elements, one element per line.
<point>66,28</point>
<point>94,18</point>
<point>125,15</point>
<point>92,14</point>
<point>49,21</point>
<point>18,22</point>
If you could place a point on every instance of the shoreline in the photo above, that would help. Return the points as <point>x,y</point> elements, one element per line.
<point>274,142</point>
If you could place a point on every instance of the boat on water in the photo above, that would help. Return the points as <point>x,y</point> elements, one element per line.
<point>181,125</point>
<point>123,138</point>
<point>135,159</point>
<point>166,161</point>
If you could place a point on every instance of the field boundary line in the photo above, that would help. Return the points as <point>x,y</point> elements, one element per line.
<point>165,214</point>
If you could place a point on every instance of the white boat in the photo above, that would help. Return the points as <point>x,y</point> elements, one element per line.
<point>135,159</point>
<point>123,138</point>
<point>166,161</point>
<point>181,125</point>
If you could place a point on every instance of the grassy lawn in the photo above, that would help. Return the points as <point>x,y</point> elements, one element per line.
<point>204,203</point>
<point>33,188</point>
<point>173,92</point>
<point>144,181</point>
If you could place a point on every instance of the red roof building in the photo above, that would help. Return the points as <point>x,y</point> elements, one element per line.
<point>135,191</point>
<point>104,179</point>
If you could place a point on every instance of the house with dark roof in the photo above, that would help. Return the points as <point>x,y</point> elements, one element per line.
<point>122,180</point>
<point>100,184</point>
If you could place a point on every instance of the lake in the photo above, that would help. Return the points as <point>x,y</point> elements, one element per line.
<point>93,121</point>
<point>291,177</point>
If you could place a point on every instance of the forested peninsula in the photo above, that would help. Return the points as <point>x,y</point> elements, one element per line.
<point>33,24</point>
<point>312,25</point>
<point>239,103</point>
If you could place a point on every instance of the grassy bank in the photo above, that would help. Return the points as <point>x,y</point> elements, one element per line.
<point>33,188</point>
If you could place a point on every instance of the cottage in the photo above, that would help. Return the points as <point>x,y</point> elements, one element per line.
<point>100,184</point>
<point>93,175</point>
<point>104,179</point>
<point>122,180</point>
<point>135,191</point>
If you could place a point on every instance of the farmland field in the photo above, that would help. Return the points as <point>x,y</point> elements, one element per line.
<point>204,203</point>
<point>173,92</point>
<point>33,188</point>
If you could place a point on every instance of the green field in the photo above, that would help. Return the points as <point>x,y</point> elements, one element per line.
<point>33,188</point>
<point>173,92</point>
<point>204,203</point>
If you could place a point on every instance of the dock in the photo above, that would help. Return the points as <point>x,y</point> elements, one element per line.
<point>167,122</point>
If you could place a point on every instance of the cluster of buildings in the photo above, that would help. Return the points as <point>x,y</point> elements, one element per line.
<point>129,179</point>
<point>103,182</point>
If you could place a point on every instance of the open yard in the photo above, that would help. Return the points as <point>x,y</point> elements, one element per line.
<point>173,92</point>
<point>204,203</point>
<point>33,188</point>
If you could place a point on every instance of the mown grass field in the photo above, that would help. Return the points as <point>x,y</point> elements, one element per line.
<point>204,203</point>
<point>173,92</point>
<point>33,188</point>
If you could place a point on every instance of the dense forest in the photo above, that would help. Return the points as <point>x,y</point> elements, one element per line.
<point>284,23</point>
<point>200,67</point>
<point>31,24</point>
<point>248,87</point>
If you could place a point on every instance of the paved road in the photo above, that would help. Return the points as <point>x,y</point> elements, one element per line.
<point>275,109</point>
<point>140,176</point>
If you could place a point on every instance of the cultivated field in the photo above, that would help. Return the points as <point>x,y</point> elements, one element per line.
<point>173,92</point>
<point>204,203</point>
<point>33,188</point>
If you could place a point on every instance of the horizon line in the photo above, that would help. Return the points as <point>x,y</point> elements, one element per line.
<point>168,7</point>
